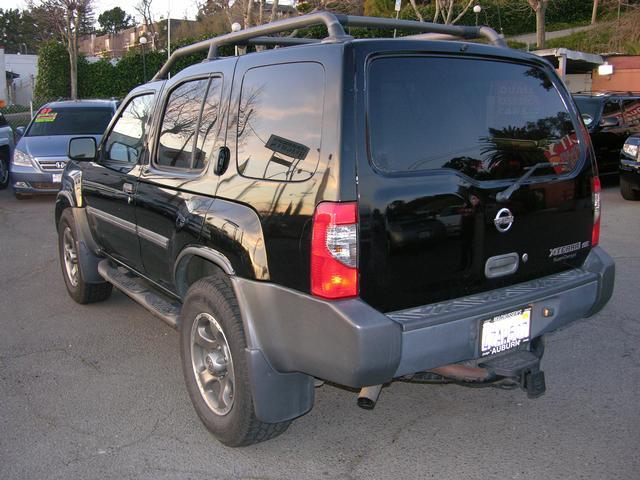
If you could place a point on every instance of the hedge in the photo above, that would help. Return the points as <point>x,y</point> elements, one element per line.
<point>102,79</point>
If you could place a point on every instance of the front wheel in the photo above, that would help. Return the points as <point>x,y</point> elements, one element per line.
<point>212,348</point>
<point>627,191</point>
<point>79,290</point>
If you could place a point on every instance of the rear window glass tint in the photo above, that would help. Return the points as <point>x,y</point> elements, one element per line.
<point>280,121</point>
<point>70,121</point>
<point>489,120</point>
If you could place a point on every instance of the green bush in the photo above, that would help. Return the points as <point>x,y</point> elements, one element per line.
<point>52,80</point>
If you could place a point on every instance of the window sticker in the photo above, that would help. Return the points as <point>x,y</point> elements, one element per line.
<point>45,115</point>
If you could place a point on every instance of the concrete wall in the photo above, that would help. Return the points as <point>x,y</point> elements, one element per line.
<point>580,82</point>
<point>625,77</point>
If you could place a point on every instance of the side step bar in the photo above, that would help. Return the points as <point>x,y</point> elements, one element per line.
<point>135,287</point>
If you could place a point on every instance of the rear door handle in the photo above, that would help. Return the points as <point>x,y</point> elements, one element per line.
<point>127,188</point>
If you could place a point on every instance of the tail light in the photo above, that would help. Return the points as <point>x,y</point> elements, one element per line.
<point>334,250</point>
<point>595,233</point>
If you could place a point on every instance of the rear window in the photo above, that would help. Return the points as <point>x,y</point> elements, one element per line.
<point>70,121</point>
<point>489,120</point>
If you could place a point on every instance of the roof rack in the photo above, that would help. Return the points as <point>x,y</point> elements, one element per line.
<point>335,24</point>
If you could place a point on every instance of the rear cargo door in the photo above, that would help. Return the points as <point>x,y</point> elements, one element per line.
<point>444,135</point>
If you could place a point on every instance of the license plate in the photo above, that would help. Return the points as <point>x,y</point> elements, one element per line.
<point>57,178</point>
<point>505,331</point>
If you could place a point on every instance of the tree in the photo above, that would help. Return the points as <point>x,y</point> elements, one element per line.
<point>144,9</point>
<point>114,20</point>
<point>595,12</point>
<point>18,31</point>
<point>66,18</point>
<point>540,7</point>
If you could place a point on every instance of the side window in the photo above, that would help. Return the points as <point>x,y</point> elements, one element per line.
<point>125,141</point>
<point>280,121</point>
<point>612,110</point>
<point>179,126</point>
<point>631,110</point>
<point>210,124</point>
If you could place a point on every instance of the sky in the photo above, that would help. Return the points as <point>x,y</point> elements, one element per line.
<point>179,8</point>
<point>160,8</point>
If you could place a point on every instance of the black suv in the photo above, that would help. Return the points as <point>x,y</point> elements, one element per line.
<point>610,118</point>
<point>355,211</point>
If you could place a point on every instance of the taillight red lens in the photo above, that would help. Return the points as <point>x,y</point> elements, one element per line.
<point>334,250</point>
<point>595,233</point>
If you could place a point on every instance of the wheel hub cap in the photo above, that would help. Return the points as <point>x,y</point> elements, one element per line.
<point>212,363</point>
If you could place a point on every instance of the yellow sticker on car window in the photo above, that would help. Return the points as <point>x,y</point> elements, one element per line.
<point>45,115</point>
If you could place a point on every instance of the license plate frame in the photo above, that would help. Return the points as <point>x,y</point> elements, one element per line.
<point>56,177</point>
<point>505,331</point>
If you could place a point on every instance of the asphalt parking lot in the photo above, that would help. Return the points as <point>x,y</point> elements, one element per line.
<point>96,392</point>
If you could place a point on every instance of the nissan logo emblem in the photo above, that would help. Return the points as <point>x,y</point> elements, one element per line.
<point>503,220</point>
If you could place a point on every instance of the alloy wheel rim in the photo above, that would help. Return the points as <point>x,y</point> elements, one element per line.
<point>70,256</point>
<point>212,363</point>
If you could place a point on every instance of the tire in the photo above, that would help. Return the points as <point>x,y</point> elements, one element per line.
<point>4,171</point>
<point>78,289</point>
<point>627,191</point>
<point>212,341</point>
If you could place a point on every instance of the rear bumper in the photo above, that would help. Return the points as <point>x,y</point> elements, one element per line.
<point>350,343</point>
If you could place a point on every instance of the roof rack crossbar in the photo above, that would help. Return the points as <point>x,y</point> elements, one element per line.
<point>335,25</point>
<point>336,34</point>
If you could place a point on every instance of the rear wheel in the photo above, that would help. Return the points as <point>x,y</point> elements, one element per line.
<point>79,290</point>
<point>212,347</point>
<point>627,191</point>
<point>4,170</point>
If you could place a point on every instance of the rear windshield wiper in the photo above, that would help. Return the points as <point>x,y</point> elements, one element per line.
<point>504,195</point>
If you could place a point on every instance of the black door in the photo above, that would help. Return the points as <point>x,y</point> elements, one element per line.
<point>609,136</point>
<point>177,187</point>
<point>109,184</point>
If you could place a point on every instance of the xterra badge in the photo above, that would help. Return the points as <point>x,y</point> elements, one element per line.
<point>566,250</point>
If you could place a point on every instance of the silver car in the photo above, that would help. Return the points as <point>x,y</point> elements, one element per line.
<point>41,153</point>
<point>6,149</point>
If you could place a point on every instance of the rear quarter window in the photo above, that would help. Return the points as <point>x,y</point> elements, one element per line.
<point>489,120</point>
<point>279,123</point>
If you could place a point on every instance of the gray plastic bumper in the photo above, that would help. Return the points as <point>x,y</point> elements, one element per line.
<point>350,343</point>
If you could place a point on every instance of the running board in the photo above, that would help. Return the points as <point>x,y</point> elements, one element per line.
<point>136,288</point>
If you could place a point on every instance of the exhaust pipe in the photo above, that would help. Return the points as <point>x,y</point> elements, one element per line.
<point>368,396</point>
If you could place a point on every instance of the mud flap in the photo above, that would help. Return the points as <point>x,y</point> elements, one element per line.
<point>278,397</point>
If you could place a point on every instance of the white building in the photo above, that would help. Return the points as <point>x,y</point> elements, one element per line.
<point>17,77</point>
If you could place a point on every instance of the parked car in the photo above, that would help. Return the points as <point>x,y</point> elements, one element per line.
<point>610,118</point>
<point>41,153</point>
<point>6,149</point>
<point>630,168</point>
<point>350,211</point>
